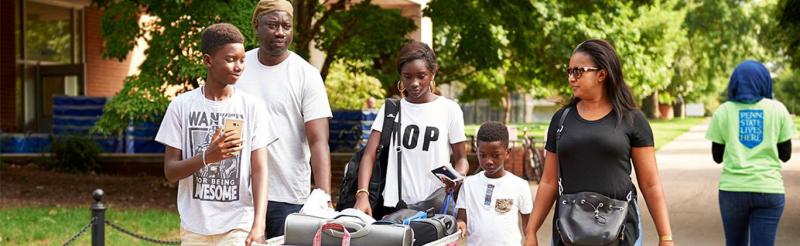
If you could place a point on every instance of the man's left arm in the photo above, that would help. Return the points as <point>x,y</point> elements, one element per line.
<point>317,134</point>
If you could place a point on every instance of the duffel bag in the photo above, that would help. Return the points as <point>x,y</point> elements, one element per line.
<point>303,230</point>
<point>434,228</point>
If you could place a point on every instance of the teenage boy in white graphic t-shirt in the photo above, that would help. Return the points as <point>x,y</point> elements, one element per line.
<point>222,189</point>
<point>491,202</point>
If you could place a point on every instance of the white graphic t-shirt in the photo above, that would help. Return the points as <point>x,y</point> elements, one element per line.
<point>427,130</point>
<point>217,198</point>
<point>493,207</point>
<point>294,94</point>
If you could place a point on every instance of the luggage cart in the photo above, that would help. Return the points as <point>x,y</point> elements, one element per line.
<point>451,240</point>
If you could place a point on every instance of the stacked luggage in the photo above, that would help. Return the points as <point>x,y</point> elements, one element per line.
<point>406,227</point>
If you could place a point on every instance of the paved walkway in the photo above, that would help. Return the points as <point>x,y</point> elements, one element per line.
<point>690,178</point>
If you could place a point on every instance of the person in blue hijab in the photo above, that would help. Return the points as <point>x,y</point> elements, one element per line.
<point>751,134</point>
<point>750,83</point>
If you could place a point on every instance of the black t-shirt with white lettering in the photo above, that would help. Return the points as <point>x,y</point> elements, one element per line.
<point>596,155</point>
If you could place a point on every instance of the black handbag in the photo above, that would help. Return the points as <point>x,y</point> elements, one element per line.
<point>588,218</point>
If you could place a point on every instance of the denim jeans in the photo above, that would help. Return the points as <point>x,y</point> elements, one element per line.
<point>749,217</point>
<point>276,216</point>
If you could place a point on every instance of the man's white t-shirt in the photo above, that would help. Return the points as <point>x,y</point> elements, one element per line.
<point>218,197</point>
<point>428,129</point>
<point>294,94</point>
<point>498,222</point>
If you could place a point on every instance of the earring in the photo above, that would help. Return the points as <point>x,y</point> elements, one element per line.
<point>400,88</point>
<point>433,85</point>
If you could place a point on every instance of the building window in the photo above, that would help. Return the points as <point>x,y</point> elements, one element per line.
<point>49,58</point>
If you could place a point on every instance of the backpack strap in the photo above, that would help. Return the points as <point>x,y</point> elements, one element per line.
<point>390,110</point>
<point>399,154</point>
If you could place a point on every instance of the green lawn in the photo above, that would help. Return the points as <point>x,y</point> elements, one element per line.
<point>54,226</point>
<point>664,131</point>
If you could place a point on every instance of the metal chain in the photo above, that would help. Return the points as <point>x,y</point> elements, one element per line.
<point>77,235</point>
<point>156,241</point>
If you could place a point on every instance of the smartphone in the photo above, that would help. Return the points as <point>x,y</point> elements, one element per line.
<point>447,172</point>
<point>232,124</point>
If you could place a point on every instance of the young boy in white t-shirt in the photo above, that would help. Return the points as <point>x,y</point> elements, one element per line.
<point>491,202</point>
<point>222,189</point>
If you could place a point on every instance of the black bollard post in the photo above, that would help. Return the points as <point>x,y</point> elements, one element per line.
<point>99,217</point>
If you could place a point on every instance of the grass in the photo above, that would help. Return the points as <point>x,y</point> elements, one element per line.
<point>54,226</point>
<point>664,131</point>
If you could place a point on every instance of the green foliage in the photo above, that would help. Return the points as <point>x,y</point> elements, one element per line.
<point>366,38</point>
<point>173,54</point>
<point>73,153</point>
<point>787,34</point>
<point>669,48</point>
<point>349,91</point>
<point>359,34</point>
<point>721,35</point>
<point>787,89</point>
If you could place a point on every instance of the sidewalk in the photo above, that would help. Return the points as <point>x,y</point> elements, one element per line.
<point>690,177</point>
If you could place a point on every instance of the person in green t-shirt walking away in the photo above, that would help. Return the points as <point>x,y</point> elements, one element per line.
<point>751,134</point>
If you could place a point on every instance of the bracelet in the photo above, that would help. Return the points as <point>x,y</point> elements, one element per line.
<point>665,238</point>
<point>362,190</point>
<point>204,159</point>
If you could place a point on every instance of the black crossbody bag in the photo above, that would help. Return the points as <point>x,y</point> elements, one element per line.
<point>588,218</point>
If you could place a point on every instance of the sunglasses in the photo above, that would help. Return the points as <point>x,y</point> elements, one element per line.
<point>577,72</point>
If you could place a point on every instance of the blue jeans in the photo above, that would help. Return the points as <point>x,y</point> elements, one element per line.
<point>276,216</point>
<point>750,217</point>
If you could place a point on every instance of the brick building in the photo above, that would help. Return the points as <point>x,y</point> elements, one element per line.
<point>47,48</point>
<point>54,47</point>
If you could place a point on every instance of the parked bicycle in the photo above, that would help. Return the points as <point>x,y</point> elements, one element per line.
<point>533,158</point>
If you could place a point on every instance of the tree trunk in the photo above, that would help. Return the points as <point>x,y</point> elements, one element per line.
<point>679,108</point>
<point>650,105</point>
<point>506,102</point>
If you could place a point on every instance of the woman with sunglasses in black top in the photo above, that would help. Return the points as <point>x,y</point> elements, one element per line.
<point>602,134</point>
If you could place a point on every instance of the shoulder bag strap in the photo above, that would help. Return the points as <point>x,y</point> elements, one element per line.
<point>559,132</point>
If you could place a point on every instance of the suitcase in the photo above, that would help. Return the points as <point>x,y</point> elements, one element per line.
<point>403,216</point>
<point>432,229</point>
<point>306,229</point>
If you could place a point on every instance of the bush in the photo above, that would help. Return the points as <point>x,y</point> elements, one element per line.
<point>348,90</point>
<point>73,154</point>
<point>787,87</point>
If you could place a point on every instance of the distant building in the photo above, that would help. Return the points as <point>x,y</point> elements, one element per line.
<point>47,48</point>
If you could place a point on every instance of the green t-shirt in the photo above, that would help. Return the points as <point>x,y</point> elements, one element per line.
<point>750,133</point>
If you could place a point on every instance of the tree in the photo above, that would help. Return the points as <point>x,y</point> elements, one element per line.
<point>173,57</point>
<point>481,44</point>
<point>787,87</point>
<point>499,48</point>
<point>721,34</point>
<point>788,17</point>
